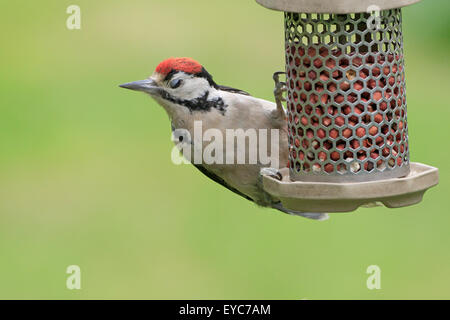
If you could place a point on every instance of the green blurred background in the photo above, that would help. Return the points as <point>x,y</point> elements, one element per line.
<point>86,176</point>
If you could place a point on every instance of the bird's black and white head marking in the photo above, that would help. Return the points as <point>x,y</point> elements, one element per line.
<point>184,82</point>
<point>197,92</point>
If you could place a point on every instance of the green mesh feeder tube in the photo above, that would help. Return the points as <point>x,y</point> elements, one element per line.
<point>346,106</point>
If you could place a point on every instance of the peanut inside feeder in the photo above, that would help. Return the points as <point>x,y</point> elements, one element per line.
<point>346,97</point>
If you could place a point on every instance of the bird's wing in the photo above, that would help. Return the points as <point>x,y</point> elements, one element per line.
<point>219,180</point>
<point>215,177</point>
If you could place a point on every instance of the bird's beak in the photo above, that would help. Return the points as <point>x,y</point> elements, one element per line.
<point>147,85</point>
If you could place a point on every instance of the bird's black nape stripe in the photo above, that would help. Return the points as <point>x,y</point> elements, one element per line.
<point>233,90</point>
<point>203,74</point>
<point>206,75</point>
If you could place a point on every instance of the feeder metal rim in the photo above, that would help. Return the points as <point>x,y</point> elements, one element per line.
<point>334,6</point>
<point>356,190</point>
<point>347,197</point>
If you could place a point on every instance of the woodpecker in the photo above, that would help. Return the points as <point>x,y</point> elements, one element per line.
<point>188,93</point>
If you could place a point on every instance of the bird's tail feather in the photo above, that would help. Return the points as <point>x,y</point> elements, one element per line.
<point>310,215</point>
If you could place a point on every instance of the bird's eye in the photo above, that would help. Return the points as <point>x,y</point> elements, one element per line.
<point>175,83</point>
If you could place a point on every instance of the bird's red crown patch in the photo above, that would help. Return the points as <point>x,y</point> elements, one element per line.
<point>186,65</point>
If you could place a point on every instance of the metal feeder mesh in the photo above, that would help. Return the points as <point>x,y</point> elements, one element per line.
<point>346,96</point>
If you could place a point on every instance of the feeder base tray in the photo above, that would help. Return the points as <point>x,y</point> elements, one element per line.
<point>346,197</point>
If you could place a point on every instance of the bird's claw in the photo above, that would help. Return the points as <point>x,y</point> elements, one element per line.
<point>280,87</point>
<point>276,76</point>
<point>271,172</point>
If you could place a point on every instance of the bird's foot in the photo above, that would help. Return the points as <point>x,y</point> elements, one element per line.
<point>280,87</point>
<point>271,172</point>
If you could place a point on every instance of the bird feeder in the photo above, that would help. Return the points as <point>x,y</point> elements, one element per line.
<point>346,108</point>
